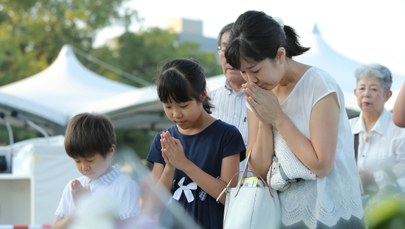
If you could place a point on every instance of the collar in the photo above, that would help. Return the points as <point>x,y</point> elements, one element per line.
<point>230,89</point>
<point>379,127</point>
<point>109,177</point>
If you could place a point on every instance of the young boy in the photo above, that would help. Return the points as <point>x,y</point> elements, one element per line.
<point>91,142</point>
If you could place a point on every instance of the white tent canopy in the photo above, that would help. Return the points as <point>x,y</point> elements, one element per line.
<point>52,96</point>
<point>341,68</point>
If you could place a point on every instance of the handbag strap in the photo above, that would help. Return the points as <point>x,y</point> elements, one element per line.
<point>245,169</point>
<point>241,179</point>
<point>244,173</point>
<point>356,146</point>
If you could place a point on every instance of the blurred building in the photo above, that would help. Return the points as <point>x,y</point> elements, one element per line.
<point>187,29</point>
<point>192,30</point>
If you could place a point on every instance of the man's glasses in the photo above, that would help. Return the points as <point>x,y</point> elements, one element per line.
<point>220,50</point>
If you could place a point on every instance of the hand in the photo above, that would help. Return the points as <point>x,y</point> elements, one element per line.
<point>78,190</point>
<point>263,103</point>
<point>162,145</point>
<point>172,151</point>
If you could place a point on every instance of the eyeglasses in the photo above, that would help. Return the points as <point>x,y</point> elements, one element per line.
<point>220,50</point>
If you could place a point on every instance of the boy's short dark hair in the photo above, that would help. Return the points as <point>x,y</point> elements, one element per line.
<point>88,134</point>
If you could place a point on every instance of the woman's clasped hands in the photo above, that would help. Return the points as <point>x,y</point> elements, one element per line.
<point>263,103</point>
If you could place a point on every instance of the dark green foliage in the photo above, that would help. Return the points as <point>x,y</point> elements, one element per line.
<point>33,32</point>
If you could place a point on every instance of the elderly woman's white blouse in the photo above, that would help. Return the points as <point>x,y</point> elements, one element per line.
<point>385,147</point>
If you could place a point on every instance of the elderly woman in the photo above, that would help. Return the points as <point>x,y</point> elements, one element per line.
<point>381,144</point>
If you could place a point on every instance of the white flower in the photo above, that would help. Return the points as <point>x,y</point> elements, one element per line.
<point>97,211</point>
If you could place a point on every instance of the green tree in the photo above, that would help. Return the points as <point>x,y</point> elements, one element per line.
<point>139,54</point>
<point>33,32</point>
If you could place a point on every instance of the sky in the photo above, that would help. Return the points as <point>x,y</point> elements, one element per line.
<point>369,31</point>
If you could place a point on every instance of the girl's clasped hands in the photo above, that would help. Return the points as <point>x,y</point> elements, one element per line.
<point>172,151</point>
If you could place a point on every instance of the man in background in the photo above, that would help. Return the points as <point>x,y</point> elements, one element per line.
<point>229,100</point>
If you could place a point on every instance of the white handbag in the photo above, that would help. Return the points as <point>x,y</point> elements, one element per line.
<point>251,204</point>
